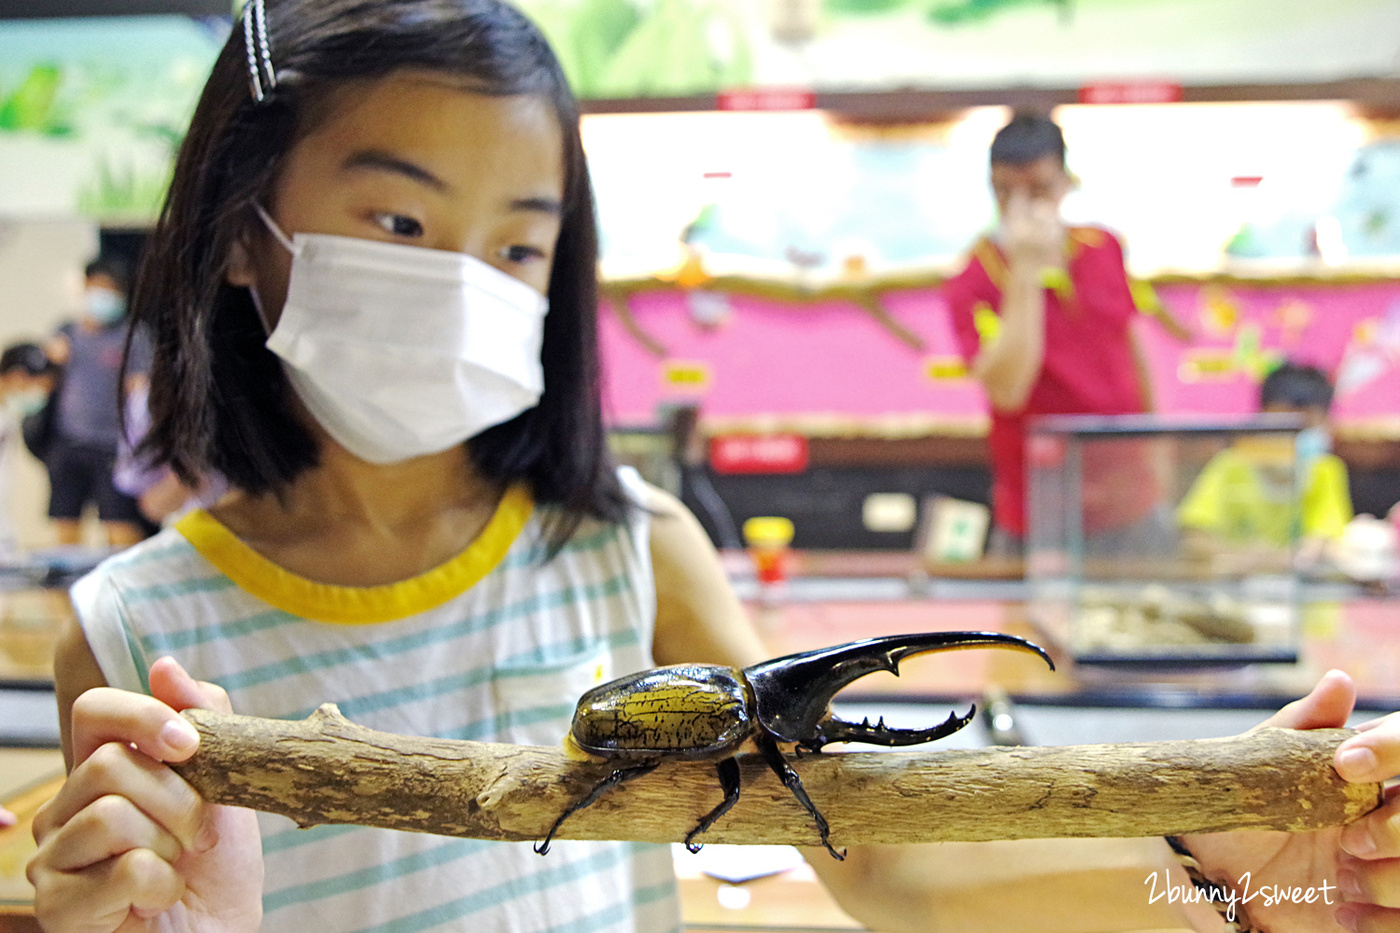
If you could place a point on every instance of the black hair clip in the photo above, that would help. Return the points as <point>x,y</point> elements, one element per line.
<point>261,76</point>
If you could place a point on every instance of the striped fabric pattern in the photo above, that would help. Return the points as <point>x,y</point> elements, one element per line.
<point>504,661</point>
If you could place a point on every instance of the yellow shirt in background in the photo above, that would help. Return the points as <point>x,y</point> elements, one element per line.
<point>1239,498</point>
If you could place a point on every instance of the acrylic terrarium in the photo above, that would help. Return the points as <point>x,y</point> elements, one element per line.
<point>1164,543</point>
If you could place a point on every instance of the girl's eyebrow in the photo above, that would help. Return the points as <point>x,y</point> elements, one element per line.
<point>550,206</point>
<point>379,160</point>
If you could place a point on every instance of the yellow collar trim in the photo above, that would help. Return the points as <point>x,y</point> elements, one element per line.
<point>994,263</point>
<point>359,605</point>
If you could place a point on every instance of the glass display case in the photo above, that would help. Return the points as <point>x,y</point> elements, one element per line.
<point>1164,543</point>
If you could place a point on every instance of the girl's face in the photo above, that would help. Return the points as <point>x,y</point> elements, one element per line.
<point>413,158</point>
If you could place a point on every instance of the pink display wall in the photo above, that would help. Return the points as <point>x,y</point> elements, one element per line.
<point>770,363</point>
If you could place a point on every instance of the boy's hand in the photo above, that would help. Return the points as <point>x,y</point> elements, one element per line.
<point>127,844</point>
<point>1033,234</point>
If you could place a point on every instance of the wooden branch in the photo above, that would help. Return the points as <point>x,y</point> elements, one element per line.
<point>326,769</point>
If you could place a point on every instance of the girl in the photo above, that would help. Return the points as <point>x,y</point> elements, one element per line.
<point>379,243</point>
<point>372,292</point>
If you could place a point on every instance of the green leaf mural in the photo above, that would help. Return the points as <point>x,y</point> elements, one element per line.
<point>971,11</point>
<point>32,106</point>
<point>858,7</point>
<point>93,109</point>
<point>621,48</point>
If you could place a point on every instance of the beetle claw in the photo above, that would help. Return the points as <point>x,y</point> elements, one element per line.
<point>837,730</point>
<point>792,694</point>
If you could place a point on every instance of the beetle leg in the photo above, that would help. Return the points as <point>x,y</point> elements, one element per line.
<point>838,730</point>
<point>774,756</point>
<point>612,780</point>
<point>728,771</point>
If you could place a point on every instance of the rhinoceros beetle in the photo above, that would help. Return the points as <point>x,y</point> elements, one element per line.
<point>704,712</point>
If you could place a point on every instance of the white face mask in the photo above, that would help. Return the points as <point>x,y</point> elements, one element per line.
<point>104,305</point>
<point>400,351</point>
<point>26,402</point>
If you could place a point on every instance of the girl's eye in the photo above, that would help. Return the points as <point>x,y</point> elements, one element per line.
<point>399,225</point>
<point>519,253</point>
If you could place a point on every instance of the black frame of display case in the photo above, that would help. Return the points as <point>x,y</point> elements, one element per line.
<point>1116,426</point>
<point>66,9</point>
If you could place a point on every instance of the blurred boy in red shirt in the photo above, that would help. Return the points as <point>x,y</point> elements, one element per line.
<point>1043,314</point>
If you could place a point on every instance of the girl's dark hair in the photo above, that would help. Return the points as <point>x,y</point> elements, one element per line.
<point>1028,137</point>
<point>219,398</point>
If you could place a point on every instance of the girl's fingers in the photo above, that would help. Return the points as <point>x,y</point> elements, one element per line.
<point>1363,919</point>
<point>1376,884</point>
<point>1376,835</point>
<point>109,827</point>
<point>107,715</point>
<point>107,894</point>
<point>1327,706</point>
<point>150,787</point>
<point>1370,724</point>
<point>1374,755</point>
<point>171,684</point>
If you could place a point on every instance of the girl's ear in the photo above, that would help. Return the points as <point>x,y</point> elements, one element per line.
<point>240,265</point>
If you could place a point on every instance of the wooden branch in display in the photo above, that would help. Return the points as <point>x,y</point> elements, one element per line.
<point>326,769</point>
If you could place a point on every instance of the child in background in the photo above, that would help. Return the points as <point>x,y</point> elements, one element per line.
<point>80,446</point>
<point>26,379</point>
<point>372,292</point>
<point>1244,500</point>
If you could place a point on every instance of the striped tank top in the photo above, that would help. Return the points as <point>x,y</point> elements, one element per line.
<point>495,645</point>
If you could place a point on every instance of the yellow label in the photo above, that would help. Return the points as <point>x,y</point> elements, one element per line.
<point>770,530</point>
<point>1145,297</point>
<point>945,368</point>
<point>1207,364</point>
<point>686,375</point>
<point>1056,279</point>
<point>987,322</point>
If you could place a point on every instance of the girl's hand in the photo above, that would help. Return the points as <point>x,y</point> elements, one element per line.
<point>1356,868</point>
<point>126,844</point>
<point>7,818</point>
<point>1370,869</point>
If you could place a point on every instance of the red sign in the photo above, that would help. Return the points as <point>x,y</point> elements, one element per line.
<point>758,453</point>
<point>767,98</point>
<point>1131,92</point>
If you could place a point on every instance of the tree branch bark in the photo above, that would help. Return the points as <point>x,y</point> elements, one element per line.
<point>326,769</point>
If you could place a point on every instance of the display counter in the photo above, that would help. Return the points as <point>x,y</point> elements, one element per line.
<point>837,597</point>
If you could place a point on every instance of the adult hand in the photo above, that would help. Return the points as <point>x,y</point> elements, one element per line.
<point>1032,233</point>
<point>1356,868</point>
<point>126,844</point>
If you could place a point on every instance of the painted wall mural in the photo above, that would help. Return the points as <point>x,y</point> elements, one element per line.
<point>92,111</point>
<point>629,48</point>
<point>881,360</point>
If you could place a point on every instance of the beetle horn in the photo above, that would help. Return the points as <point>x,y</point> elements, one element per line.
<point>792,693</point>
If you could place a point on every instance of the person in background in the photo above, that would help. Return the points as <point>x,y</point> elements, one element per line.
<point>161,496</point>
<point>1245,498</point>
<point>86,425</point>
<point>1043,314</point>
<point>26,379</point>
